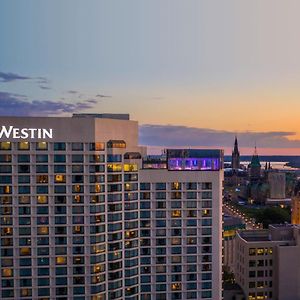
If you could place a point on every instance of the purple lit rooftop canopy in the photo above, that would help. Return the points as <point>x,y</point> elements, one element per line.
<point>187,160</point>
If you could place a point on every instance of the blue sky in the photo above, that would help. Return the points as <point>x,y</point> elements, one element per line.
<point>223,65</point>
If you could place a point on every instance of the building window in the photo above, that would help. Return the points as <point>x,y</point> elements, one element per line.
<point>61,260</point>
<point>77,146</point>
<point>43,230</point>
<point>42,179</point>
<point>7,272</point>
<point>130,167</point>
<point>176,213</point>
<point>5,145</point>
<point>60,178</point>
<point>59,146</point>
<point>41,146</point>
<point>23,146</point>
<point>42,199</point>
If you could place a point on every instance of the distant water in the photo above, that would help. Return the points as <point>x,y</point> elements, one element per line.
<point>277,161</point>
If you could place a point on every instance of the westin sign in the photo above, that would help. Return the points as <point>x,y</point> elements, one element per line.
<point>25,133</point>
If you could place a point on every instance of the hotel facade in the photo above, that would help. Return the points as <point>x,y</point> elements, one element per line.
<point>85,214</point>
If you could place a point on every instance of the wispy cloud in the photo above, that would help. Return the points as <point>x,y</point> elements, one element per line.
<point>172,135</point>
<point>44,87</point>
<point>102,96</point>
<point>9,77</point>
<point>17,105</point>
<point>72,92</point>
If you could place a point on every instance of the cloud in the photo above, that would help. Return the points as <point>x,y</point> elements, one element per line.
<point>44,87</point>
<point>72,92</point>
<point>172,136</point>
<point>16,105</point>
<point>8,77</point>
<point>42,80</point>
<point>103,96</point>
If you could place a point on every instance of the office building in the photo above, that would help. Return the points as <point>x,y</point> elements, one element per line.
<point>267,264</point>
<point>83,216</point>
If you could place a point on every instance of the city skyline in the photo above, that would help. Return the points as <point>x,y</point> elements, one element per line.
<point>182,68</point>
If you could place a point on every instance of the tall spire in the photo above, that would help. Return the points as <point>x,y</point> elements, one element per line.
<point>236,148</point>
<point>235,160</point>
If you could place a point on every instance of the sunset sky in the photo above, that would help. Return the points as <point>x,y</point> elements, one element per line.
<point>192,72</point>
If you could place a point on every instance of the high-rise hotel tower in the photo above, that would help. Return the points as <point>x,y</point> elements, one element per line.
<point>84,216</point>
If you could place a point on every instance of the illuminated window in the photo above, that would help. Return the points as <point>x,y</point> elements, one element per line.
<point>98,279</point>
<point>41,146</point>
<point>42,199</point>
<point>98,268</point>
<point>114,168</point>
<point>77,188</point>
<point>5,200</point>
<point>116,144</point>
<point>176,286</point>
<point>191,241</point>
<point>42,179</point>
<point>77,199</point>
<point>23,146</point>
<point>78,229</point>
<point>176,186</point>
<point>97,188</point>
<point>176,241</point>
<point>61,260</point>
<point>99,146</point>
<point>7,231</point>
<point>260,251</point>
<point>60,178</point>
<point>5,146</point>
<point>206,213</point>
<point>270,250</point>
<point>25,292</point>
<point>130,234</point>
<point>176,213</point>
<point>5,189</point>
<point>130,167</point>
<point>6,272</point>
<point>25,251</point>
<point>43,230</point>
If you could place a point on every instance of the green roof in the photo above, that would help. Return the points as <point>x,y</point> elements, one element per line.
<point>255,161</point>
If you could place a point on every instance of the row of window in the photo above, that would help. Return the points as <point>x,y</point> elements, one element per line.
<point>58,146</point>
<point>57,189</point>
<point>44,199</point>
<point>177,186</point>
<point>75,168</point>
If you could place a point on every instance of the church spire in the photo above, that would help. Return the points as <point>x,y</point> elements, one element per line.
<point>235,160</point>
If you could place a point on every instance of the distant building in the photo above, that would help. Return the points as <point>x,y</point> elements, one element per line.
<point>235,160</point>
<point>235,176</point>
<point>296,205</point>
<point>255,167</point>
<point>230,227</point>
<point>277,187</point>
<point>267,264</point>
